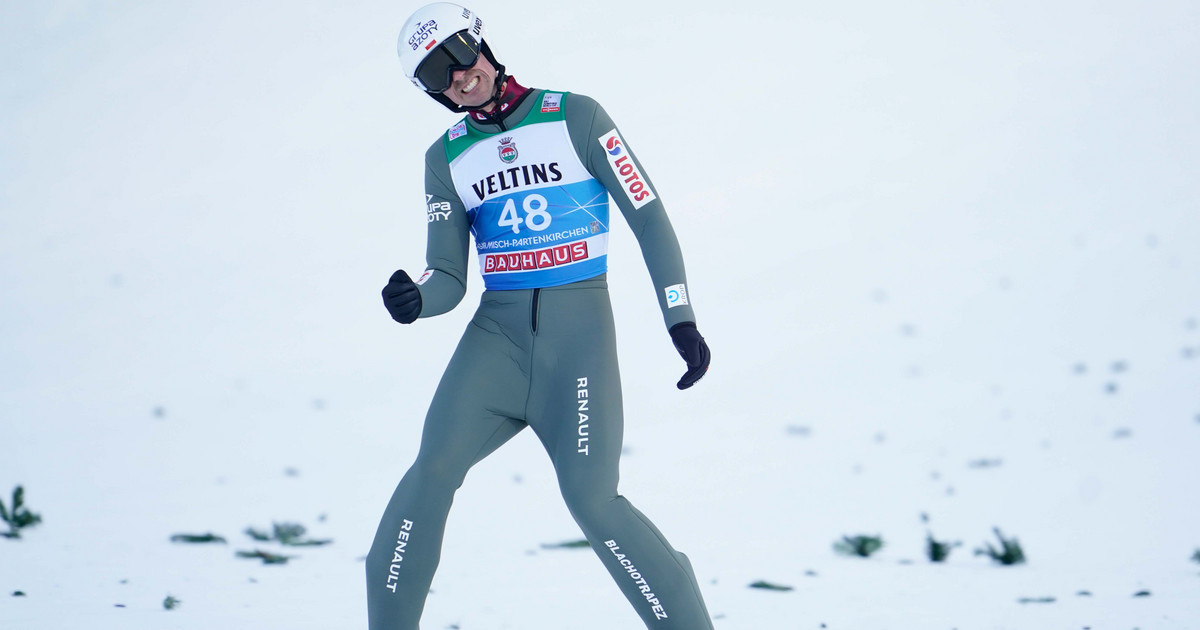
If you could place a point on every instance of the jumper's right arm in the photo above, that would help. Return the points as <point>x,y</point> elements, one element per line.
<point>449,237</point>
<point>444,282</point>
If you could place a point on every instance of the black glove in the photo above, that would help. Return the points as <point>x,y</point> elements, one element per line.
<point>694,351</point>
<point>402,298</point>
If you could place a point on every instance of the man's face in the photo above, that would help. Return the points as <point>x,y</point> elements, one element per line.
<point>474,86</point>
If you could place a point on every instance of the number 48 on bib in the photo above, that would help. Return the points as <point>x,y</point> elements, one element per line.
<point>536,216</point>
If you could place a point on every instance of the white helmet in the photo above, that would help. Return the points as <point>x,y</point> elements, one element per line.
<point>436,40</point>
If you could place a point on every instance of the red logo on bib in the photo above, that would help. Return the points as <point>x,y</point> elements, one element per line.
<point>540,259</point>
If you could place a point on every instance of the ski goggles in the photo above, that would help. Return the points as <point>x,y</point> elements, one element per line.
<point>459,52</point>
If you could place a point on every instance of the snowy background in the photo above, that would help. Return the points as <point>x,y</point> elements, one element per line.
<point>945,255</point>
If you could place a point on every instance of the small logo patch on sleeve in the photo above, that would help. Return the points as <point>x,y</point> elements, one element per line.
<point>459,130</point>
<point>550,102</point>
<point>429,274</point>
<point>676,295</point>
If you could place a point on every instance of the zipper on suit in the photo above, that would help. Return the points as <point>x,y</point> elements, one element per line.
<point>534,311</point>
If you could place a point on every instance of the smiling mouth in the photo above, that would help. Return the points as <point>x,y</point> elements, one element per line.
<point>470,85</point>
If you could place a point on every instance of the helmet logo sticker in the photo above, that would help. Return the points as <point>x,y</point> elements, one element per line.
<point>508,150</point>
<point>424,32</point>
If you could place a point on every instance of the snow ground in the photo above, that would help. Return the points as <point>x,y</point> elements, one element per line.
<point>918,239</point>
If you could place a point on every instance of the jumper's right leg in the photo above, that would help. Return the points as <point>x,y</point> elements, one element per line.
<point>407,545</point>
<point>471,416</point>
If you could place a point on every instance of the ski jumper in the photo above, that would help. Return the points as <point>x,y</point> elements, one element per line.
<point>540,351</point>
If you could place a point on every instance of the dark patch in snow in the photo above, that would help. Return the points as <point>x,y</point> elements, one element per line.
<point>266,556</point>
<point>799,430</point>
<point>571,544</point>
<point>768,586</point>
<point>197,538</point>
<point>938,550</point>
<point>860,545</point>
<point>1009,552</point>
<point>290,534</point>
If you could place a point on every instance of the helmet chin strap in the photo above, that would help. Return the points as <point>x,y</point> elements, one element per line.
<point>499,89</point>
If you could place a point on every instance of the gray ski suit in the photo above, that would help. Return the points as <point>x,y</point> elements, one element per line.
<point>540,350</point>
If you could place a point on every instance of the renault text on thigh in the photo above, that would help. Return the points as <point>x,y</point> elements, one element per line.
<point>581,400</point>
<point>398,555</point>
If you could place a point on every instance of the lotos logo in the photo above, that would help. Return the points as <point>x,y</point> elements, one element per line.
<point>508,150</point>
<point>423,33</point>
<point>613,145</point>
<point>637,189</point>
